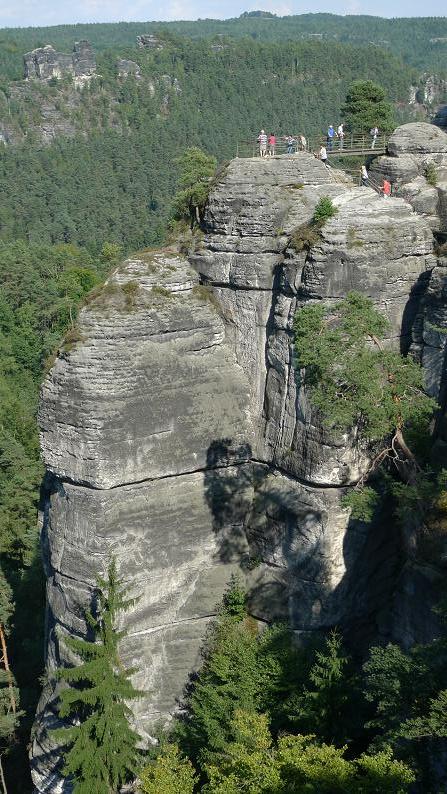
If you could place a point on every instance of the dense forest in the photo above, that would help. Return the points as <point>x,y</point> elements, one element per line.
<point>421,42</point>
<point>118,166</point>
<point>70,208</point>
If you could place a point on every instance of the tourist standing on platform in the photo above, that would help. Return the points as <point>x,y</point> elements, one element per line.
<point>272,144</point>
<point>386,188</point>
<point>341,134</point>
<point>290,144</point>
<point>330,137</point>
<point>374,131</point>
<point>262,140</point>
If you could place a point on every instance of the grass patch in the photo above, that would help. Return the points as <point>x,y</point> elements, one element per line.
<point>205,292</point>
<point>100,294</point>
<point>161,292</point>
<point>130,290</point>
<point>305,236</point>
<point>71,339</point>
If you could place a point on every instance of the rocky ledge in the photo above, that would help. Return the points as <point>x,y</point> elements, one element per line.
<point>416,164</point>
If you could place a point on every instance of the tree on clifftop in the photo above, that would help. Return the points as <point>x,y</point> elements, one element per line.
<point>196,171</point>
<point>102,755</point>
<point>366,107</point>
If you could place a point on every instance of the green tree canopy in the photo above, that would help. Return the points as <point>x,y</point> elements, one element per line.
<point>353,379</point>
<point>170,773</point>
<point>227,680</point>
<point>102,752</point>
<point>366,107</point>
<point>196,171</point>
<point>296,764</point>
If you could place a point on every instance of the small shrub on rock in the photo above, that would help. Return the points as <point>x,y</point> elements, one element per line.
<point>309,234</point>
<point>324,210</point>
<point>431,174</point>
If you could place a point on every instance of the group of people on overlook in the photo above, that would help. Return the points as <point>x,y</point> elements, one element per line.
<point>267,147</point>
<point>267,143</point>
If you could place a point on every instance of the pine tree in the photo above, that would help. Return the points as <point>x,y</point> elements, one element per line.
<point>324,705</point>
<point>229,679</point>
<point>102,753</point>
<point>196,171</point>
<point>366,107</point>
<point>355,381</point>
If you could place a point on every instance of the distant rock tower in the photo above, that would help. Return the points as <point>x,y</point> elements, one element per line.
<point>44,63</point>
<point>150,42</point>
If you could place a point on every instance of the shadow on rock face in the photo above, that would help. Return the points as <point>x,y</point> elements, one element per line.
<point>228,486</point>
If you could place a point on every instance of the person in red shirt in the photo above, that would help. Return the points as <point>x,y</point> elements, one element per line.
<point>272,144</point>
<point>386,188</point>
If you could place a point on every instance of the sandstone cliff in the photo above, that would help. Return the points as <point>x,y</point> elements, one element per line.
<point>45,63</point>
<point>177,436</point>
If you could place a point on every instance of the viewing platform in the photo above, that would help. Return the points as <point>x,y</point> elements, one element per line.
<point>351,145</point>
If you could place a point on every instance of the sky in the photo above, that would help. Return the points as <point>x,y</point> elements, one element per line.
<point>22,13</point>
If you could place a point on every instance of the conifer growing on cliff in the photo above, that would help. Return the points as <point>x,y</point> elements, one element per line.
<point>102,752</point>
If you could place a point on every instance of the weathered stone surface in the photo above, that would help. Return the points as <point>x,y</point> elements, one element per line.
<point>178,437</point>
<point>45,63</point>
<point>112,419</point>
<point>126,68</point>
<point>415,150</point>
<point>417,138</point>
<point>379,247</point>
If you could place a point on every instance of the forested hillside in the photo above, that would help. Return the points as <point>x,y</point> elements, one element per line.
<point>421,42</point>
<point>110,177</point>
<point>89,172</point>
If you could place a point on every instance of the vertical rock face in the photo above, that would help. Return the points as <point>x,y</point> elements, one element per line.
<point>130,419</point>
<point>177,436</point>
<point>45,63</point>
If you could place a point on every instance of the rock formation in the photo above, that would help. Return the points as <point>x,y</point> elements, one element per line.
<point>45,63</point>
<point>149,41</point>
<point>416,164</point>
<point>177,436</point>
<point>430,90</point>
<point>126,68</point>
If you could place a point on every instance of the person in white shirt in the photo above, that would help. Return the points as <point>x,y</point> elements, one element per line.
<point>323,155</point>
<point>341,134</point>
<point>262,140</point>
<point>374,133</point>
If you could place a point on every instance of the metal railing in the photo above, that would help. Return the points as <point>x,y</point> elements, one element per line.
<point>350,145</point>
